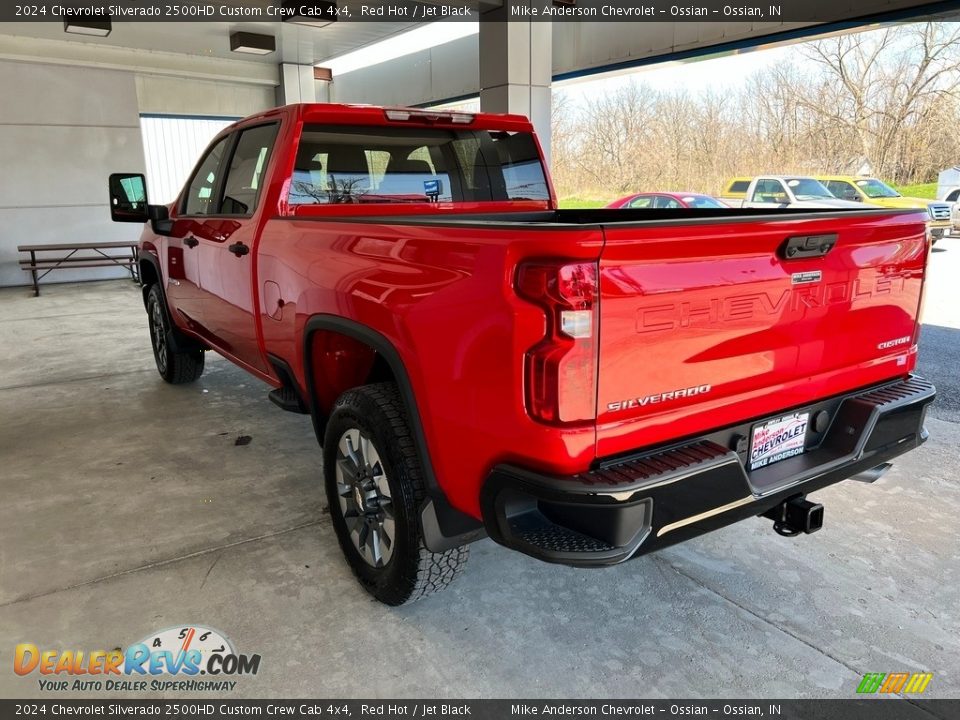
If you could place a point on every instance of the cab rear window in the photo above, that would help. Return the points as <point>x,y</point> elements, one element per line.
<point>409,165</point>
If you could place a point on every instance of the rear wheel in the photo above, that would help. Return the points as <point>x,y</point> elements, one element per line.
<point>175,366</point>
<point>375,487</point>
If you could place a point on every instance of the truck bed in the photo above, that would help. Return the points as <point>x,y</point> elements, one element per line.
<point>554,219</point>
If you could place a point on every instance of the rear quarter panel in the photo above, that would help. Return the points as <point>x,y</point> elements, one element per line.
<point>444,298</point>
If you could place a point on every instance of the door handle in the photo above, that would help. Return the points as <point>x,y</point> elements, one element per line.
<point>807,246</point>
<point>239,249</point>
<point>191,242</point>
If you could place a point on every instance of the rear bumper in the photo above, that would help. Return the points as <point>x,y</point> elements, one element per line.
<point>633,505</point>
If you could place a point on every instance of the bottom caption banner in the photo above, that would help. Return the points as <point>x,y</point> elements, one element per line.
<point>895,709</point>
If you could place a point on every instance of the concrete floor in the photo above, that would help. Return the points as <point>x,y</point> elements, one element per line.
<point>127,508</point>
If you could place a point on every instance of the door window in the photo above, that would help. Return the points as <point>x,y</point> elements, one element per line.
<point>769,191</point>
<point>201,192</point>
<point>667,203</point>
<point>247,170</point>
<point>843,190</point>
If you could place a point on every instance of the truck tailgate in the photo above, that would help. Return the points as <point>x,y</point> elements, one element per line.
<point>710,323</point>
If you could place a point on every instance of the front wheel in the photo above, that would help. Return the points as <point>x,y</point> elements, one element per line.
<point>175,366</point>
<point>375,487</point>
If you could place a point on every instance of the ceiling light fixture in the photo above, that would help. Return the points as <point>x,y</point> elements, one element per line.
<point>319,13</point>
<point>98,28</point>
<point>252,43</point>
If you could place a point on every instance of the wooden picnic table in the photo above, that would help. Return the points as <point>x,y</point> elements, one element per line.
<point>78,255</point>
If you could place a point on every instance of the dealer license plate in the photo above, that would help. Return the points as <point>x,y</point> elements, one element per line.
<point>778,439</point>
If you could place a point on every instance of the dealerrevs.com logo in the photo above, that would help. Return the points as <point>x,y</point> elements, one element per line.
<point>187,658</point>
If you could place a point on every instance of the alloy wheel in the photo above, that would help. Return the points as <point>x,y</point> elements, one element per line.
<point>364,495</point>
<point>158,335</point>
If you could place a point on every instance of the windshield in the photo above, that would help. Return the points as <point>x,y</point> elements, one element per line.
<point>702,201</point>
<point>873,188</point>
<point>809,189</point>
<point>337,165</point>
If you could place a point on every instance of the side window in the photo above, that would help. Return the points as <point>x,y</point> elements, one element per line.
<point>739,186</point>
<point>330,172</point>
<point>952,197</point>
<point>778,192</point>
<point>247,169</point>
<point>667,203</point>
<point>522,171</point>
<point>309,176</point>
<point>769,191</point>
<point>759,191</point>
<point>200,198</point>
<point>371,165</point>
<point>641,202</point>
<point>410,175</point>
<point>842,190</point>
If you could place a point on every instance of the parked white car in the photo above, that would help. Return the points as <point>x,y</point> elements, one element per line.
<point>789,191</point>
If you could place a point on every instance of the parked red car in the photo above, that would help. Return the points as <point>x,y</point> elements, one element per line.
<point>584,386</point>
<point>668,201</point>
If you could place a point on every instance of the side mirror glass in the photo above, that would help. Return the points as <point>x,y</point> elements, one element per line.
<point>128,198</point>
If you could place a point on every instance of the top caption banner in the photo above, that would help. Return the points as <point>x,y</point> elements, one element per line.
<point>323,13</point>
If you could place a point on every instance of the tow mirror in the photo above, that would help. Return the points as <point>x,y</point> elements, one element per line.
<point>128,203</point>
<point>128,198</point>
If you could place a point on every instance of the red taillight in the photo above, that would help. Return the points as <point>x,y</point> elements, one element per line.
<point>561,370</point>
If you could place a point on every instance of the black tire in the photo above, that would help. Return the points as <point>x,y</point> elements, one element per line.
<point>376,414</point>
<point>176,367</point>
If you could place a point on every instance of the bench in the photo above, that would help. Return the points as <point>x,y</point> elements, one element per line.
<point>43,261</point>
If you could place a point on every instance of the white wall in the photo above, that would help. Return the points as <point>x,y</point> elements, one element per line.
<point>63,130</point>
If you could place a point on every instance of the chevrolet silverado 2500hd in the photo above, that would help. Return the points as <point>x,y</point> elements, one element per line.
<point>582,386</point>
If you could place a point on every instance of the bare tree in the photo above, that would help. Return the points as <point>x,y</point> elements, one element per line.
<point>889,98</point>
<point>881,86</point>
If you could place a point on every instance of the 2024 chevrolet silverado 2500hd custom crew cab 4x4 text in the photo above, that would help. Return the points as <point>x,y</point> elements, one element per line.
<point>581,386</point>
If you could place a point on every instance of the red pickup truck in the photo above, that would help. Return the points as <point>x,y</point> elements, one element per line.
<point>584,386</point>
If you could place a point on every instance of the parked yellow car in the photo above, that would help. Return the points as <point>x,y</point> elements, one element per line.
<point>875,192</point>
